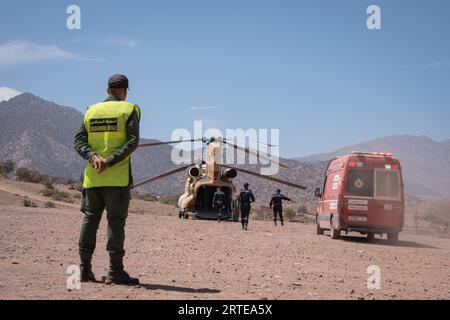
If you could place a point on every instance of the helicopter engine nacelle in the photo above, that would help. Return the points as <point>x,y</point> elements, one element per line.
<point>194,172</point>
<point>229,173</point>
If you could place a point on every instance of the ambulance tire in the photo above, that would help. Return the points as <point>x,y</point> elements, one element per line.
<point>392,237</point>
<point>319,230</point>
<point>334,233</point>
<point>370,236</point>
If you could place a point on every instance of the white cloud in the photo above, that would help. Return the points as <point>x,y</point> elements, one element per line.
<point>441,65</point>
<point>17,52</point>
<point>106,40</point>
<point>113,40</point>
<point>202,108</point>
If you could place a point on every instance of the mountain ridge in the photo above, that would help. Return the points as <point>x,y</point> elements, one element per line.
<point>38,134</point>
<point>425,162</point>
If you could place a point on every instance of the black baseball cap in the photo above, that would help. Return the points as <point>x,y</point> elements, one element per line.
<point>118,81</point>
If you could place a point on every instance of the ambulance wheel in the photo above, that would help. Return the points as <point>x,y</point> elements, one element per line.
<point>319,230</point>
<point>334,233</point>
<point>370,236</point>
<point>392,237</point>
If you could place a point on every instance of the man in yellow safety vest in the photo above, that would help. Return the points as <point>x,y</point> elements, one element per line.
<point>107,138</point>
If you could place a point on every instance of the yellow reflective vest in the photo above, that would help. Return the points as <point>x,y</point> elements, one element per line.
<point>105,124</point>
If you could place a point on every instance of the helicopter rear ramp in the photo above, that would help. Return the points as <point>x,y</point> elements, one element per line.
<point>210,214</point>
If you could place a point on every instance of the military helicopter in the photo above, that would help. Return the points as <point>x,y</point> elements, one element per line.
<point>205,176</point>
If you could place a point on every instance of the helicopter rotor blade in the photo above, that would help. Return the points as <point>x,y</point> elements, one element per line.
<point>250,151</point>
<point>288,183</point>
<point>163,175</point>
<point>254,142</point>
<point>153,144</point>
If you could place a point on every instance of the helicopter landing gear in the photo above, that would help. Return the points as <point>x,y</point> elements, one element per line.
<point>183,215</point>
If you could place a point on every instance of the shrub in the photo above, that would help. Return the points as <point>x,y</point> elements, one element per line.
<point>28,203</point>
<point>48,192</point>
<point>7,168</point>
<point>61,196</point>
<point>56,195</point>
<point>27,175</point>
<point>290,213</point>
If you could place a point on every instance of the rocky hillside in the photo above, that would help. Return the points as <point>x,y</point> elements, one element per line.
<point>38,134</point>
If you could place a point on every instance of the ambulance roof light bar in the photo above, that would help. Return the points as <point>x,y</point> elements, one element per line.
<point>384,154</point>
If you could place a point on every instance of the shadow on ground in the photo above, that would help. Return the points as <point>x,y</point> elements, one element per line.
<point>384,242</point>
<point>178,289</point>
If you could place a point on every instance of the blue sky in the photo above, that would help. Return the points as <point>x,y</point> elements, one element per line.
<point>310,68</point>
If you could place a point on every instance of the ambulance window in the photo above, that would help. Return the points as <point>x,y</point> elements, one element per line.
<point>387,184</point>
<point>360,183</point>
<point>330,184</point>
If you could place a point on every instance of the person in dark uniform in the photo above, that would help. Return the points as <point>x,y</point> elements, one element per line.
<point>277,204</point>
<point>245,199</point>
<point>219,201</point>
<point>236,209</point>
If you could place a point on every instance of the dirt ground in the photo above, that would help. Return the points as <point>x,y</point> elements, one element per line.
<point>193,259</point>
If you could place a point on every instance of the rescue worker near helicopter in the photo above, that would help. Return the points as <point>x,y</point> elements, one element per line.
<point>219,201</point>
<point>245,199</point>
<point>107,138</point>
<point>277,204</point>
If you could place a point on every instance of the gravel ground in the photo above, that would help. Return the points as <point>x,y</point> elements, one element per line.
<point>193,259</point>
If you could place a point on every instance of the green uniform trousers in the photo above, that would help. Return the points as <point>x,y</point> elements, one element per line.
<point>95,200</point>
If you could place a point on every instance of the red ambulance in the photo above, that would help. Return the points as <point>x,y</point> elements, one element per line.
<point>362,192</point>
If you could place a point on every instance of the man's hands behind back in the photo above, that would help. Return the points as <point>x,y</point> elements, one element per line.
<point>98,163</point>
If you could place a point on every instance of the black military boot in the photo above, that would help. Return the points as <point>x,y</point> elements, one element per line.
<point>275,221</point>
<point>117,275</point>
<point>282,222</point>
<point>86,274</point>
